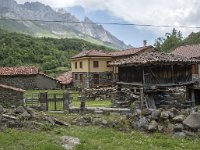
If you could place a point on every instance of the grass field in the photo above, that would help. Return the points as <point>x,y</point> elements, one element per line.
<point>91,138</point>
<point>75,101</point>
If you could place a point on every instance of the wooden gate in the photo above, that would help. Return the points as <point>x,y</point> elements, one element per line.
<point>45,101</point>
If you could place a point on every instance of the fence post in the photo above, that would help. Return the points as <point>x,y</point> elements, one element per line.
<point>67,101</point>
<point>54,97</point>
<point>43,101</point>
<point>82,104</point>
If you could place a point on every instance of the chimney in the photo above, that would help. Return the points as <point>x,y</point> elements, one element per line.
<point>145,43</point>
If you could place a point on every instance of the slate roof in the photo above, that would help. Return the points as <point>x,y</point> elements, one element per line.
<point>190,51</point>
<point>11,88</point>
<point>154,57</point>
<point>128,52</point>
<point>91,53</point>
<point>65,78</point>
<point>19,70</point>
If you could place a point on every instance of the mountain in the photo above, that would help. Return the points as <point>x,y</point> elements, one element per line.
<point>19,18</point>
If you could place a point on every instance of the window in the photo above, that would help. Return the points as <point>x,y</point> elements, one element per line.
<point>194,69</point>
<point>75,65</point>
<point>81,64</point>
<point>76,77</point>
<point>81,77</point>
<point>108,63</point>
<point>95,64</point>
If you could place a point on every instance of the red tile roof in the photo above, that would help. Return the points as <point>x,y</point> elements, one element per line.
<point>18,70</point>
<point>91,53</point>
<point>190,51</point>
<point>128,52</point>
<point>12,88</point>
<point>154,57</point>
<point>65,78</point>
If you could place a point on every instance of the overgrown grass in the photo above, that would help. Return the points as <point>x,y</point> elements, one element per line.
<point>93,138</point>
<point>12,139</point>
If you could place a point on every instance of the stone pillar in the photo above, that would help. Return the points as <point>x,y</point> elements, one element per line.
<point>141,98</point>
<point>67,101</point>
<point>43,101</point>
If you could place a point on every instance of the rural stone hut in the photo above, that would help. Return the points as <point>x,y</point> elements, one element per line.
<point>11,96</point>
<point>27,78</point>
<point>153,74</point>
<point>65,80</point>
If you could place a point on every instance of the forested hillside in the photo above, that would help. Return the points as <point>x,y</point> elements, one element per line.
<point>175,39</point>
<point>47,53</point>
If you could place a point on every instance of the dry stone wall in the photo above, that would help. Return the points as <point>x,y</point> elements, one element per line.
<point>9,97</point>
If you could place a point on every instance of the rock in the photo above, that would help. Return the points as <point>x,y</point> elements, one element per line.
<point>25,115</point>
<point>160,128</point>
<point>60,122</point>
<point>153,126</point>
<point>179,118</point>
<point>69,142</point>
<point>1,109</point>
<point>138,112</point>
<point>155,114</point>
<point>142,123</point>
<point>164,115</point>
<point>9,117</point>
<point>104,122</point>
<point>174,111</point>
<point>179,134</point>
<point>50,120</point>
<point>193,121</point>
<point>146,112</point>
<point>19,110</point>
<point>178,127</point>
<point>191,134</point>
<point>31,111</point>
<point>170,127</point>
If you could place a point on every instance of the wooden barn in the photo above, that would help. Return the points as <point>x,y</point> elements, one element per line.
<point>154,72</point>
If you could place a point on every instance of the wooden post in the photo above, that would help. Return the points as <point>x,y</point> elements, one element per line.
<point>193,98</point>
<point>54,97</point>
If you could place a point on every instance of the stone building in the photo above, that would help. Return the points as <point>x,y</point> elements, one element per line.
<point>152,74</point>
<point>11,96</point>
<point>27,78</point>
<point>90,69</point>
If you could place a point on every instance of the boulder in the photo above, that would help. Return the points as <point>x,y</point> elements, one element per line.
<point>146,112</point>
<point>31,111</point>
<point>193,121</point>
<point>155,114</point>
<point>179,118</point>
<point>153,126</point>
<point>178,127</point>
<point>25,115</point>
<point>160,128</point>
<point>69,142</point>
<point>19,110</point>
<point>142,123</point>
<point>179,134</point>
<point>164,115</point>
<point>104,122</point>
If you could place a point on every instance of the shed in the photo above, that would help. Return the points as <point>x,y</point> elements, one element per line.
<point>27,78</point>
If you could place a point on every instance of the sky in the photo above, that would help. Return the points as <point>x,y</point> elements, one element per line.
<point>154,12</point>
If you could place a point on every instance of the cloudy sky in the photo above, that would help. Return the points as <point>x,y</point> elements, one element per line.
<point>155,12</point>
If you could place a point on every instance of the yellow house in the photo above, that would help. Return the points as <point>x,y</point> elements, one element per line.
<point>90,69</point>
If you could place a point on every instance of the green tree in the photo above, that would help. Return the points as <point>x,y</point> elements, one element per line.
<point>169,42</point>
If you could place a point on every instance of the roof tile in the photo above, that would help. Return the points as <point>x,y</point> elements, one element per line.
<point>18,70</point>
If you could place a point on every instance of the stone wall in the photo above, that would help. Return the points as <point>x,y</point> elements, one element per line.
<point>43,82</point>
<point>88,80</point>
<point>29,81</point>
<point>20,81</point>
<point>9,97</point>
